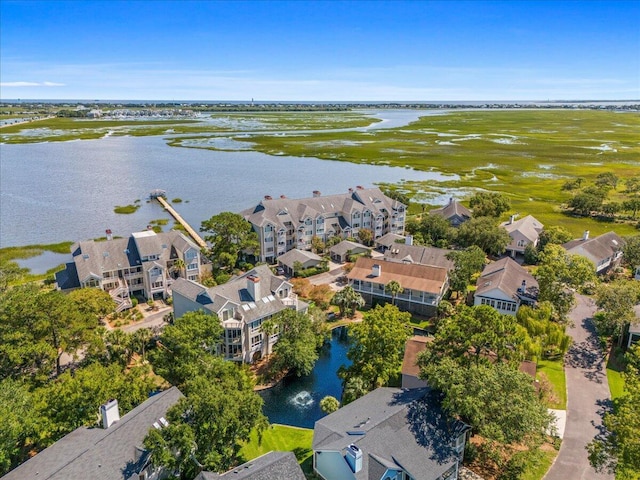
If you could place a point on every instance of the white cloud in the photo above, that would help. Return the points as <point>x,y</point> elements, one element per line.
<point>31,84</point>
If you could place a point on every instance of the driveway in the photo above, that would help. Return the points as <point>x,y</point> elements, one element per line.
<point>588,397</point>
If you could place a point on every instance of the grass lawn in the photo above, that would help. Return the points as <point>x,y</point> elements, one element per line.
<point>282,438</point>
<point>538,469</point>
<point>554,371</point>
<point>616,383</point>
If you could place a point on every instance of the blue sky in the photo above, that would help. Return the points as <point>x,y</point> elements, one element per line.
<point>319,51</point>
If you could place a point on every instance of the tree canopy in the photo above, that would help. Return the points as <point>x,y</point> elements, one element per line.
<point>296,349</point>
<point>467,263</point>
<point>377,346</point>
<point>348,300</point>
<point>485,233</point>
<point>616,301</point>
<point>229,234</point>
<point>489,204</point>
<point>631,252</point>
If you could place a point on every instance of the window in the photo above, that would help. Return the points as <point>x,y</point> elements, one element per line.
<point>157,284</point>
<point>256,340</point>
<point>233,334</point>
<point>192,266</point>
<point>521,243</point>
<point>190,254</point>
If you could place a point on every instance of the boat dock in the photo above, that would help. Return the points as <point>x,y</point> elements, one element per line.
<point>196,238</point>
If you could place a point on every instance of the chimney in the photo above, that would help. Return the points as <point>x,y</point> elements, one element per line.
<point>351,190</point>
<point>585,235</point>
<point>253,286</point>
<point>110,413</point>
<point>360,187</point>
<point>450,200</point>
<point>268,197</point>
<point>511,218</point>
<point>408,240</point>
<point>149,227</point>
<point>523,287</point>
<point>376,270</point>
<point>354,458</point>
<point>283,196</point>
<point>316,193</point>
<point>109,234</point>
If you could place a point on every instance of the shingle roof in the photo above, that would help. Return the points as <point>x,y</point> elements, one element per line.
<point>389,239</point>
<point>270,466</point>
<point>396,427</point>
<point>346,246</point>
<point>423,278</point>
<point>97,453</point>
<point>528,226</point>
<point>412,348</point>
<point>295,255</point>
<point>436,257</point>
<point>596,249</point>
<point>507,276</point>
<point>452,209</point>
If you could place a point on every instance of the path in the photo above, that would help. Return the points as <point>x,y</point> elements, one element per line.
<point>588,397</point>
<point>197,238</point>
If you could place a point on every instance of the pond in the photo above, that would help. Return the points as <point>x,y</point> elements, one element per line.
<point>296,401</point>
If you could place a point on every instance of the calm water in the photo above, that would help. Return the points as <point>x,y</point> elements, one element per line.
<point>296,401</point>
<point>52,192</point>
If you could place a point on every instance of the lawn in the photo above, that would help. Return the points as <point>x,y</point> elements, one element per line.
<point>616,383</point>
<point>554,371</point>
<point>537,469</point>
<point>282,438</point>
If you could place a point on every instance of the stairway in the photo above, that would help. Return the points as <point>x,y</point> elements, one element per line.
<point>120,295</point>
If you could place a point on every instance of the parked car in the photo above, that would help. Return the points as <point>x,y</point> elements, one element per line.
<point>279,271</point>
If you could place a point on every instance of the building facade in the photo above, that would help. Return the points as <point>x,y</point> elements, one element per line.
<point>523,232</point>
<point>283,224</point>
<point>604,251</point>
<point>505,286</point>
<point>242,305</point>
<point>145,264</point>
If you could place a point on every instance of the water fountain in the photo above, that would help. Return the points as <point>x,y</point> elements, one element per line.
<point>302,399</point>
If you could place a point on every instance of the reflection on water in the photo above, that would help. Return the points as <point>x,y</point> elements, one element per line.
<point>296,401</point>
<point>43,262</point>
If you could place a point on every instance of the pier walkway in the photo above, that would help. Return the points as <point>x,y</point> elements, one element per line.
<point>196,238</point>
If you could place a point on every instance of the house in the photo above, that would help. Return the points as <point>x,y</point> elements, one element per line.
<point>283,224</point>
<point>421,255</point>
<point>110,453</point>
<point>423,285</point>
<point>270,466</point>
<point>410,370</point>
<point>306,259</point>
<point>505,286</point>
<point>387,241</point>
<point>634,328</point>
<point>523,232</point>
<point>340,253</point>
<point>144,264</point>
<point>604,251</point>
<point>242,305</point>
<point>454,212</point>
<point>389,433</point>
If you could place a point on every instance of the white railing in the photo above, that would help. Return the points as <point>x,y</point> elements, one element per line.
<point>120,295</point>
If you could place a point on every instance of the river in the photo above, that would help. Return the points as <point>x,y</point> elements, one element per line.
<point>52,192</point>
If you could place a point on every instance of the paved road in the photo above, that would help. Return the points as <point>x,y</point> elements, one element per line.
<point>153,320</point>
<point>588,397</point>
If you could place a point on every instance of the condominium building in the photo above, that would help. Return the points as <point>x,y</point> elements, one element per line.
<point>283,223</point>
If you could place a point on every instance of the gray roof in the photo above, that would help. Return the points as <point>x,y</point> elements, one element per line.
<point>280,210</point>
<point>347,246</point>
<point>436,257</point>
<point>295,255</point>
<point>97,453</point>
<point>452,209</point>
<point>596,249</point>
<point>393,427</point>
<point>92,258</point>
<point>235,291</point>
<point>270,466</point>
<point>507,276</point>
<point>389,239</point>
<point>528,226</point>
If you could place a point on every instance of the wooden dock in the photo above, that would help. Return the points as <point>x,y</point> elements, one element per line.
<point>196,238</point>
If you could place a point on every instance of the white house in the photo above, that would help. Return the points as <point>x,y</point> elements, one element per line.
<point>604,251</point>
<point>505,285</point>
<point>523,232</point>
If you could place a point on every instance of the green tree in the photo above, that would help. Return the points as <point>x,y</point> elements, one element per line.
<point>619,451</point>
<point>631,252</point>
<point>296,349</point>
<point>489,204</point>
<point>93,302</point>
<point>632,205</point>
<point>557,273</point>
<point>354,388</point>
<point>436,230</point>
<point>317,245</point>
<point>269,328</point>
<point>548,337</point>
<point>229,234</point>
<point>119,346</point>
<point>554,235</point>
<point>365,235</point>
<point>394,288</point>
<point>297,267</point>
<point>348,300</point>
<point>182,346</point>
<point>484,233</point>
<point>17,414</point>
<point>377,346</point>
<point>329,404</point>
<point>178,267</point>
<point>584,203</point>
<point>516,415</point>
<point>607,180</point>
<point>209,425</point>
<point>617,300</point>
<point>467,263</point>
<point>140,340</point>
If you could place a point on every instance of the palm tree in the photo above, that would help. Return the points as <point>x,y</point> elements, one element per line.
<point>348,299</point>
<point>178,266</point>
<point>394,288</point>
<point>269,328</point>
<point>141,339</point>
